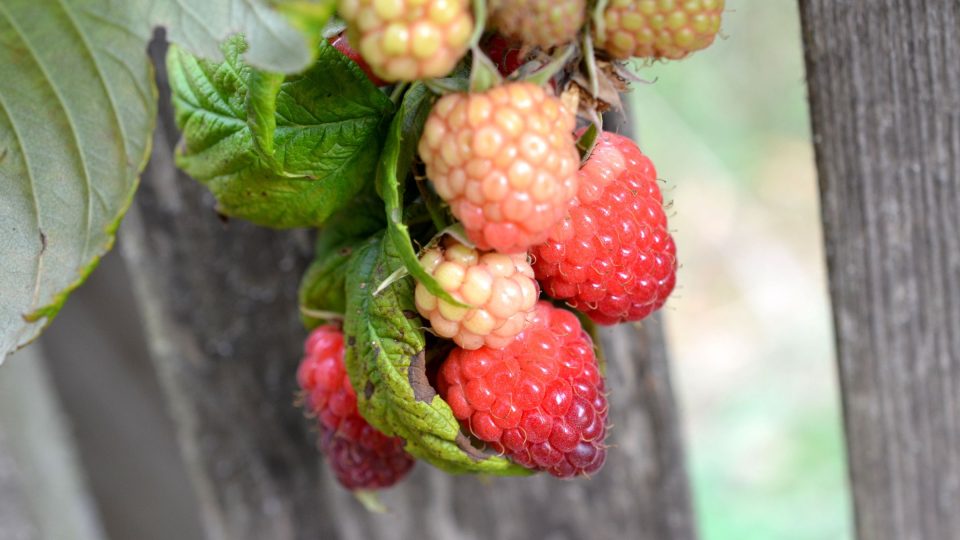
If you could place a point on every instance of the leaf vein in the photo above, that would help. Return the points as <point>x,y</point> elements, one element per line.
<point>88,217</point>
<point>33,192</point>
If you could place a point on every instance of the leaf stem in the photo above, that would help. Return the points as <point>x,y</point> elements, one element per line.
<point>398,90</point>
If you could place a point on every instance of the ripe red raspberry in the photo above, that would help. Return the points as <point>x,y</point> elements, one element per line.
<point>657,28</point>
<point>505,160</point>
<point>406,40</point>
<point>342,44</point>
<point>361,457</point>
<point>541,23</point>
<point>540,401</point>
<point>501,288</point>
<point>612,258</point>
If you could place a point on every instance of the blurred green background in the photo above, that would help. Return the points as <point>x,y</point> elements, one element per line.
<point>749,325</point>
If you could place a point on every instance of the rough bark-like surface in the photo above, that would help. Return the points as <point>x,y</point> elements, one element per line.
<point>219,300</point>
<point>885,94</point>
<point>98,362</point>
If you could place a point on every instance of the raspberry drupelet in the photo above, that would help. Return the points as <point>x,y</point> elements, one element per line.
<point>360,456</point>
<point>540,401</point>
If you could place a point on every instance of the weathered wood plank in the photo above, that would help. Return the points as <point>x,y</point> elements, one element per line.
<point>884,81</point>
<point>220,307</point>
<point>43,490</point>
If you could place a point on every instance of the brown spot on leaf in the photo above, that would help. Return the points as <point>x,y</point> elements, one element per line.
<point>351,341</point>
<point>43,242</point>
<point>417,376</point>
<point>410,314</point>
<point>368,390</point>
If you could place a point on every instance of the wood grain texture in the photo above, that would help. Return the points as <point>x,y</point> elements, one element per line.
<point>219,302</point>
<point>884,80</point>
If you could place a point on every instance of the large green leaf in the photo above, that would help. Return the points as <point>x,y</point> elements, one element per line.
<point>77,107</point>
<point>386,362</point>
<point>201,26</point>
<point>324,145</point>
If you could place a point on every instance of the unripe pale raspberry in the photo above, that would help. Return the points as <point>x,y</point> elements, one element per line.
<point>506,162</point>
<point>406,40</point>
<point>543,23</point>
<point>613,257</point>
<point>501,289</point>
<point>658,28</point>
<point>540,401</point>
<point>361,457</point>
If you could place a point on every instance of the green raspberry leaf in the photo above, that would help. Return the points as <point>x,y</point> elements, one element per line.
<point>280,32</point>
<point>77,111</point>
<point>323,287</point>
<point>395,164</point>
<point>77,107</point>
<point>296,169</point>
<point>386,362</point>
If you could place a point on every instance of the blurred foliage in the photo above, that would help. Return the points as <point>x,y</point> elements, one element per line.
<point>749,325</point>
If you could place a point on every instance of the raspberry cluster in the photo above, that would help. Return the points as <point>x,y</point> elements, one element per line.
<point>588,231</point>
<point>361,457</point>
<point>540,400</point>
<point>613,257</point>
<point>500,287</point>
<point>406,40</point>
<point>506,162</point>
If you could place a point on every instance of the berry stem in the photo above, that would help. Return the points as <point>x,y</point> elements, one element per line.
<point>590,60</point>
<point>484,74</point>
<point>598,23</point>
<point>479,22</point>
<point>370,500</point>
<point>399,89</point>
<point>545,73</point>
<point>446,85</point>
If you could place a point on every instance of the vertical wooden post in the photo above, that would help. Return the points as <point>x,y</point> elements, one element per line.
<point>43,491</point>
<point>884,81</point>
<point>219,302</point>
